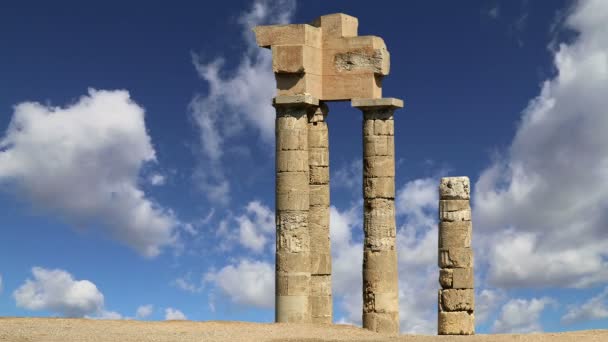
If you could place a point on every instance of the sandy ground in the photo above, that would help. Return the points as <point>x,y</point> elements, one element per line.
<point>84,330</point>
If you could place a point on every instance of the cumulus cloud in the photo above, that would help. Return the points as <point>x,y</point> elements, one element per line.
<point>486,302</point>
<point>256,226</point>
<point>57,291</point>
<point>144,311</point>
<point>544,205</point>
<point>595,308</point>
<point>248,282</point>
<point>157,179</point>
<point>82,162</point>
<point>236,98</point>
<point>521,316</point>
<point>348,176</point>
<point>172,314</point>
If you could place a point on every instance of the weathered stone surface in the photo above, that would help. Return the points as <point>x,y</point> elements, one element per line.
<point>321,309</point>
<point>347,86</point>
<point>387,323</point>
<point>299,84</point>
<point>292,161</point>
<point>380,187</point>
<point>318,157</point>
<point>320,263</point>
<point>319,175</point>
<point>319,195</point>
<point>456,323</point>
<point>455,257</point>
<point>380,302</point>
<point>288,123</point>
<point>454,205</point>
<point>379,166</point>
<point>292,220</point>
<point>454,188</point>
<point>338,25</point>
<point>295,103</point>
<point>292,201</point>
<point>302,34</point>
<point>294,241</point>
<point>445,278</point>
<point>463,278</point>
<point>457,299</point>
<point>455,234</point>
<point>320,285</point>
<point>369,103</point>
<point>293,284</point>
<point>292,309</point>
<point>287,262</point>
<point>379,145</point>
<point>451,216</point>
<point>293,139</point>
<point>318,136</point>
<point>297,59</point>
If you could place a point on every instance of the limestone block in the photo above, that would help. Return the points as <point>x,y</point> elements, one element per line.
<point>455,257</point>
<point>367,104</point>
<point>319,175</point>
<point>319,195</point>
<point>318,135</point>
<point>384,127</point>
<point>375,243</point>
<point>295,102</point>
<point>346,86</point>
<point>292,161</point>
<point>320,285</point>
<point>318,157</point>
<point>457,188</point>
<point>320,217</point>
<point>292,139</point>
<point>291,181</point>
<point>291,220</point>
<point>293,284</point>
<point>380,280</point>
<point>368,128</point>
<point>289,123</point>
<point>300,34</point>
<point>292,309</point>
<point>295,84</point>
<point>380,302</point>
<point>387,323</point>
<point>338,25</point>
<point>456,323</point>
<point>445,278</point>
<point>457,299</point>
<point>463,278</point>
<point>293,200</point>
<point>379,166</point>
<point>455,234</point>
<point>379,218</point>
<point>321,309</point>
<point>296,59</point>
<point>454,205</point>
<point>320,263</point>
<point>451,216</point>
<point>380,187</point>
<point>319,241</point>
<point>288,262</point>
<point>293,241</point>
<point>378,145</point>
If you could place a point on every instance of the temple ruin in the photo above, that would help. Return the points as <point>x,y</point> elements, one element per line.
<point>314,64</point>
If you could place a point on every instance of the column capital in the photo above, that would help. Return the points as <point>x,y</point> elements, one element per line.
<point>371,104</point>
<point>295,100</point>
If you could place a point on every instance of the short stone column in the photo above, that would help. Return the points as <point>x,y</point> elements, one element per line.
<point>380,271</point>
<point>318,217</point>
<point>292,282</point>
<point>457,296</point>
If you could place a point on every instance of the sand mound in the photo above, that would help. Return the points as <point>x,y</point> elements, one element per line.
<point>85,330</point>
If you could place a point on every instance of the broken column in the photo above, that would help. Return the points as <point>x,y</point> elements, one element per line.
<point>456,296</point>
<point>318,217</point>
<point>380,274</point>
<point>293,263</point>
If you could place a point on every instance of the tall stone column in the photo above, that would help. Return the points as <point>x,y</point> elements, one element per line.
<point>292,282</point>
<point>380,273</point>
<point>318,217</point>
<point>457,295</point>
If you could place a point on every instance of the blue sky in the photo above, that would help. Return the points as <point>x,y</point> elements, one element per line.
<point>137,164</point>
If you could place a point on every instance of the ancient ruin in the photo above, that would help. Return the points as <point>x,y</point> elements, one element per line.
<point>327,61</point>
<point>457,296</point>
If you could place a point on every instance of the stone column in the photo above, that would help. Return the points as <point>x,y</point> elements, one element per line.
<point>318,217</point>
<point>380,274</point>
<point>292,282</point>
<point>456,297</point>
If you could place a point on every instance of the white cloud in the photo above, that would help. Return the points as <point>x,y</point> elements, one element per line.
<point>486,302</point>
<point>107,315</point>
<point>157,179</point>
<point>82,162</point>
<point>144,311</point>
<point>57,291</point>
<point>256,226</point>
<point>348,176</point>
<point>549,197</point>
<point>1,288</point>
<point>521,316</point>
<point>174,314</point>
<point>236,99</point>
<point>248,283</point>
<point>185,283</point>
<point>594,308</point>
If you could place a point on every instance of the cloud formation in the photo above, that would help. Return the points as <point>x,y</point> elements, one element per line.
<point>543,207</point>
<point>82,162</point>
<point>519,316</point>
<point>236,98</point>
<point>144,311</point>
<point>595,308</point>
<point>57,291</point>
<point>172,314</point>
